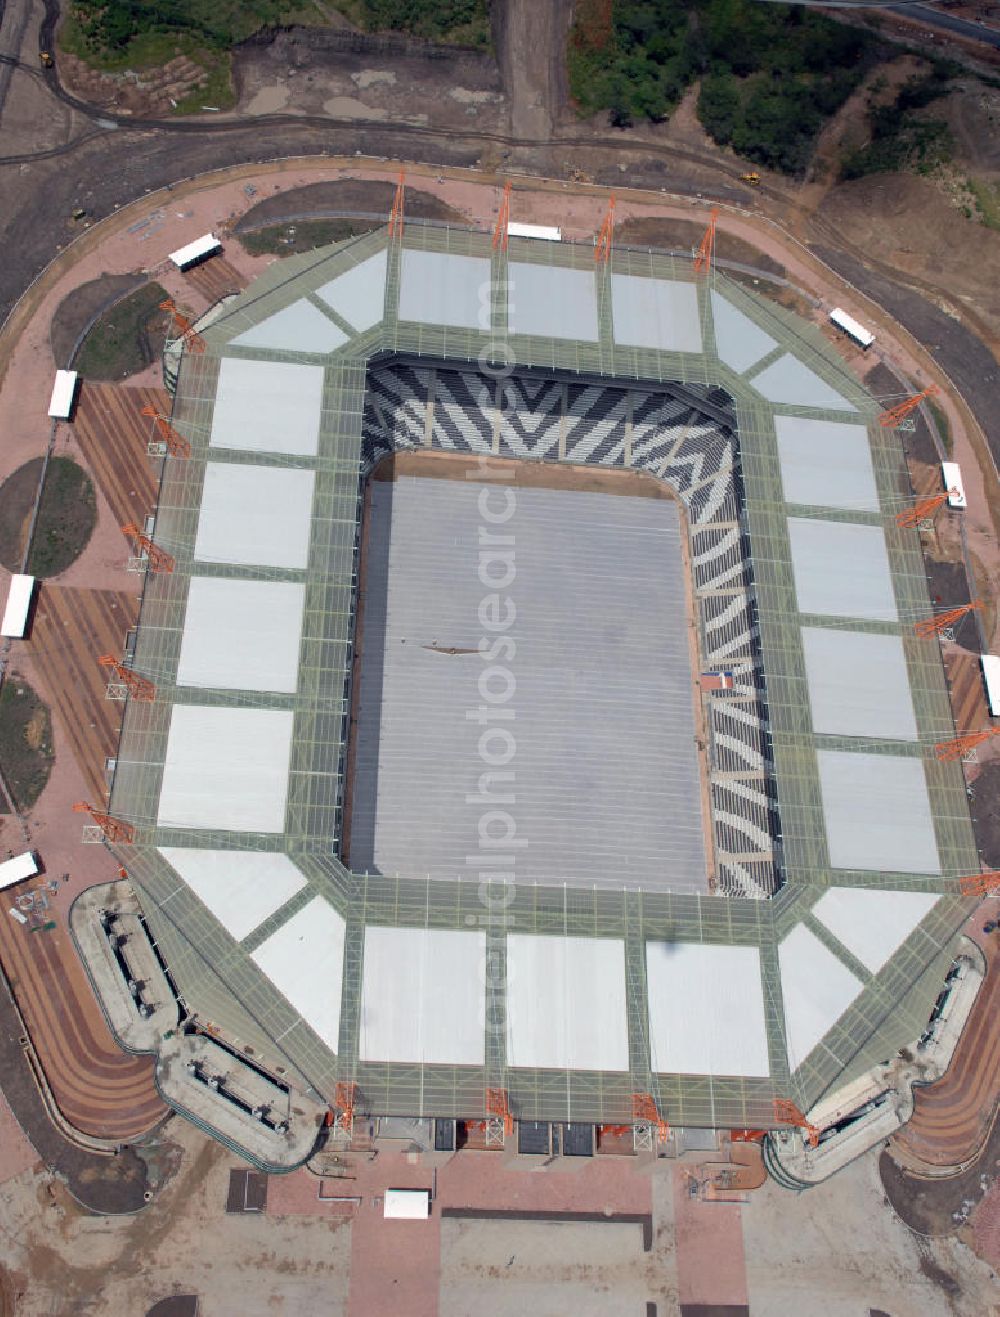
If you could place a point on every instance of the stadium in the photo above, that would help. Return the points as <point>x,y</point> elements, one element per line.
<point>538,705</point>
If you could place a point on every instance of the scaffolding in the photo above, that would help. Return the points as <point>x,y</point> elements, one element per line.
<point>169,440</point>
<point>501,229</point>
<point>706,248</point>
<point>602,247</point>
<point>892,417</point>
<point>128,683</point>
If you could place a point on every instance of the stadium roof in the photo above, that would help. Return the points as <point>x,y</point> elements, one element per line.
<point>712,1004</point>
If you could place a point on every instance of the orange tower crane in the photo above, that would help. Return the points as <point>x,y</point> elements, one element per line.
<point>933,626</point>
<point>183,327</point>
<point>498,1106</point>
<point>139,687</point>
<point>344,1099</point>
<point>644,1108</point>
<point>500,234</point>
<point>176,444</point>
<point>158,559</point>
<point>898,413</point>
<point>602,248</point>
<point>947,751</point>
<point>115,830</point>
<point>980,884</point>
<point>787,1113</point>
<point>396,215</point>
<point>921,510</point>
<point>706,248</point>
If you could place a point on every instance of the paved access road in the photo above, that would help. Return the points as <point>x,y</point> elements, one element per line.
<point>962,27</point>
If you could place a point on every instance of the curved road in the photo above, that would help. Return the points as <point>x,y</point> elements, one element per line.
<point>122,157</point>
<point>987,36</point>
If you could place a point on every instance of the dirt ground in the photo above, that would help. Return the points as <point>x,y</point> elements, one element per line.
<point>313,71</point>
<point>17,498</point>
<point>58,1259</point>
<point>794,1260</point>
<point>153,91</point>
<point>81,308</point>
<point>522,475</point>
<point>902,220</point>
<point>344,197</point>
<point>684,235</point>
<point>933,1207</point>
<point>987,809</point>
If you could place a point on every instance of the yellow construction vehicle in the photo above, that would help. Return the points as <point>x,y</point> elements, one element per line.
<point>753,178</point>
<point>46,59</point>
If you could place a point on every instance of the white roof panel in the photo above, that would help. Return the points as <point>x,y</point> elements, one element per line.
<point>241,888</point>
<point>423,997</point>
<point>738,340</point>
<point>655,313</point>
<point>706,1009</point>
<point>826,463</point>
<point>301,327</point>
<point>18,606</point>
<point>242,635</point>
<point>437,288</point>
<point>841,570</point>
<point>358,295</point>
<point>268,406</point>
<point>790,381</point>
<point>816,989</point>
<point>255,515</point>
<point>877,812</point>
<point>551,301</point>
<point>226,769</point>
<point>872,923</point>
<point>304,960</point>
<point>566,1003</point>
<point>858,684</point>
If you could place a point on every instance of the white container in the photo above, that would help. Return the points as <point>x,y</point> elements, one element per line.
<point>848,325</point>
<point>406,1204</point>
<point>15,614</point>
<point>196,251</point>
<point>951,474</point>
<point>63,395</point>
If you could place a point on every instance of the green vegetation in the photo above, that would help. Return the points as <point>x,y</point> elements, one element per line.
<point>466,22</point>
<point>942,426</point>
<point>900,138</point>
<point>114,35</point>
<point>303,236</point>
<point>110,28</point>
<point>127,338</point>
<point>771,74</point>
<point>67,514</point>
<point>25,741</point>
<point>987,197</point>
<point>134,34</point>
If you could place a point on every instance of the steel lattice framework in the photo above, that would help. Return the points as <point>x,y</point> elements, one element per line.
<point>215,974</point>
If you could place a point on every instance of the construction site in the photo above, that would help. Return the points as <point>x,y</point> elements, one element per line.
<point>647,818</point>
